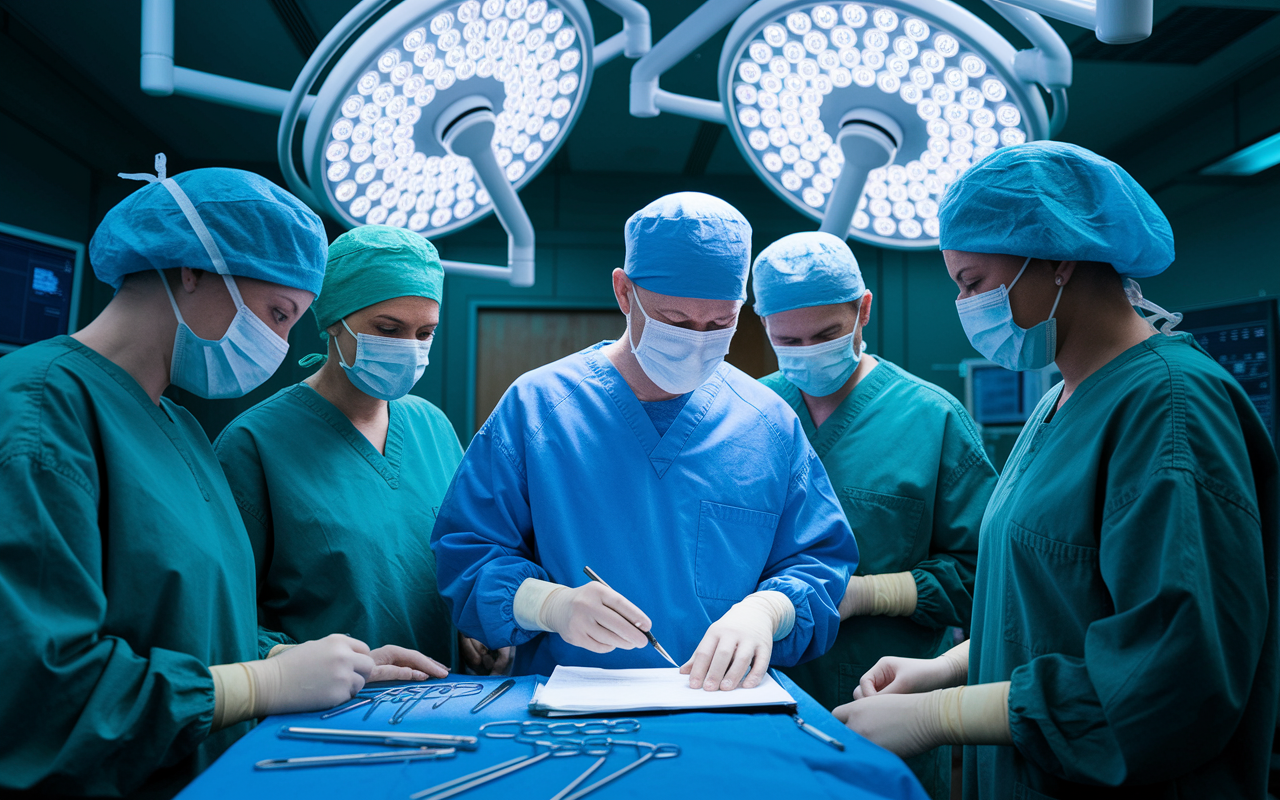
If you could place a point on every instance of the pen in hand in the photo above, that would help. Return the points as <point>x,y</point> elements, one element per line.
<point>648,635</point>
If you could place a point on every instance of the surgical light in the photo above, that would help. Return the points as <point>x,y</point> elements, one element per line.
<point>429,115</point>
<point>909,94</point>
<point>1248,161</point>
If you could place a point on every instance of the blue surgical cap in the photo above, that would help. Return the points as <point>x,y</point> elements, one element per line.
<point>262,231</point>
<point>805,269</point>
<point>1056,201</point>
<point>689,244</point>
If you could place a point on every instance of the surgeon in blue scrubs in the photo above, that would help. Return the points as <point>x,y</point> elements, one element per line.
<point>681,481</point>
<point>906,462</point>
<point>1125,613</point>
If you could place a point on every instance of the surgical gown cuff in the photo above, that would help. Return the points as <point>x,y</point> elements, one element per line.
<point>781,609</point>
<point>527,605</point>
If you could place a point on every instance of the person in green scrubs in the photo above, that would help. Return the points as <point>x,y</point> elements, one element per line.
<point>340,520</point>
<point>129,643</point>
<point>906,462</point>
<point>1126,606</point>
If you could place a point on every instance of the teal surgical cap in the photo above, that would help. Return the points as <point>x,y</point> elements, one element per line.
<point>374,263</point>
<point>805,269</point>
<point>1058,202</point>
<point>261,230</point>
<point>689,244</point>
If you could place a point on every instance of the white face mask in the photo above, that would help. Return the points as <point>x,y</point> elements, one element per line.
<point>678,360</point>
<point>821,369</point>
<point>385,367</point>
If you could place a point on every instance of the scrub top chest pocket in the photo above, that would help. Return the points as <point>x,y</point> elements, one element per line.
<point>886,528</point>
<point>733,550</point>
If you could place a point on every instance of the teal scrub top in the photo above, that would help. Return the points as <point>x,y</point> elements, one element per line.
<point>341,533</point>
<point>913,479</point>
<point>1127,588</point>
<point>124,573</point>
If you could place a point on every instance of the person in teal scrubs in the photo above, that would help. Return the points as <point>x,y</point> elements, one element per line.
<point>129,643</point>
<point>1125,612</point>
<point>904,458</point>
<point>340,521</point>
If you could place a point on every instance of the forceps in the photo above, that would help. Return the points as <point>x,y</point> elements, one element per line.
<point>393,756</point>
<point>386,738</point>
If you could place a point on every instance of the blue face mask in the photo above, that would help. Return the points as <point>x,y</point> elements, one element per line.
<point>821,369</point>
<point>385,367</point>
<point>988,322</point>
<point>217,369</point>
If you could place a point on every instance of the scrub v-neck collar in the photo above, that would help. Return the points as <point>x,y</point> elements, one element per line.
<point>385,464</point>
<point>661,451</point>
<point>157,411</point>
<point>826,436</point>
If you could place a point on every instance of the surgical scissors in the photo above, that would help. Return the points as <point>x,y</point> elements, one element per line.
<point>406,697</point>
<point>656,751</point>
<point>532,727</point>
<point>468,782</point>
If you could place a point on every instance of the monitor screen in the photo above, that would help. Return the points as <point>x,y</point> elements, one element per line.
<point>39,283</point>
<point>998,396</point>
<point>1242,338</point>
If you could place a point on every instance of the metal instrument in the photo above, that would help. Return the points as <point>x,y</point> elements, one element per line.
<point>386,757</point>
<point>386,738</point>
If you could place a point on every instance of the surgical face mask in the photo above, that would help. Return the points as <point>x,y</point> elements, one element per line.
<point>385,367</point>
<point>821,369</point>
<point>988,322</point>
<point>678,360</point>
<point>241,361</point>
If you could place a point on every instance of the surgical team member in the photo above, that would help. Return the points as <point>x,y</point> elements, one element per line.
<point>130,648</point>
<point>1125,617</point>
<point>685,484</point>
<point>904,457</point>
<point>340,519</point>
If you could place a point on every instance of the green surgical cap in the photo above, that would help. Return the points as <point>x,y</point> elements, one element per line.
<point>374,263</point>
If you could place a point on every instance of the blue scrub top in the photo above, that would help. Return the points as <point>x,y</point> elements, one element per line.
<point>569,471</point>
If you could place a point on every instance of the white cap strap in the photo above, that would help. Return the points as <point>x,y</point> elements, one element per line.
<point>1170,319</point>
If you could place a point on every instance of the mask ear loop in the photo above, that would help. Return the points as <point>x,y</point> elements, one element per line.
<point>635,298</point>
<point>1169,319</point>
<point>338,347</point>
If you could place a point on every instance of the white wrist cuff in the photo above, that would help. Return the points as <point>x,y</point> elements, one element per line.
<point>529,600</point>
<point>974,714</point>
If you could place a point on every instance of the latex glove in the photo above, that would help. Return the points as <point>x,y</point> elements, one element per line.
<point>482,660</point>
<point>894,675</point>
<point>736,648</point>
<point>314,675</point>
<point>392,663</point>
<point>891,595</point>
<point>910,724</point>
<point>592,616</point>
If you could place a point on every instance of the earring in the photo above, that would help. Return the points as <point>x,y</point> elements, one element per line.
<point>1058,280</point>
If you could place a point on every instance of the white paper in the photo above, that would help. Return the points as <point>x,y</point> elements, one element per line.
<point>590,690</point>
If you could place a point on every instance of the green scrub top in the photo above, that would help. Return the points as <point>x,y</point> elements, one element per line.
<point>913,479</point>
<point>340,532</point>
<point>1127,588</point>
<point>124,573</point>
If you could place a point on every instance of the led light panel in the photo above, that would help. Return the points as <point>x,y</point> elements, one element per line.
<point>789,79</point>
<point>375,149</point>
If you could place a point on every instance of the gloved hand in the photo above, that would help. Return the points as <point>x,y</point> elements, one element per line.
<point>482,660</point>
<point>392,663</point>
<point>910,724</point>
<point>739,641</point>
<point>592,616</point>
<point>894,675</point>
<point>314,675</point>
<point>891,595</point>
